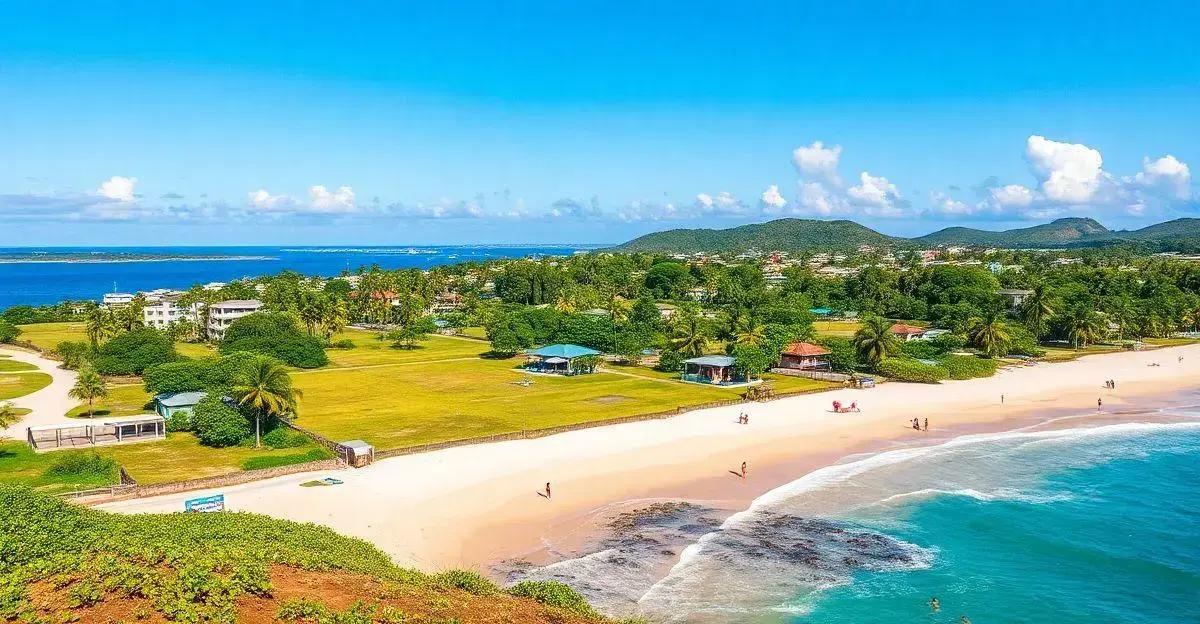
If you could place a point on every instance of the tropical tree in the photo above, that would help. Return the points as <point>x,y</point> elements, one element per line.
<point>990,335</point>
<point>1084,326</point>
<point>99,325</point>
<point>874,340</point>
<point>266,388</point>
<point>313,310</point>
<point>752,335</point>
<point>336,316</point>
<point>689,333</point>
<point>89,386</point>
<point>1036,310</point>
<point>8,417</point>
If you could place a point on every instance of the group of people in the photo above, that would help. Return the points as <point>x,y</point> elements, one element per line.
<point>743,418</point>
<point>916,424</point>
<point>1110,384</point>
<point>935,606</point>
<point>837,407</point>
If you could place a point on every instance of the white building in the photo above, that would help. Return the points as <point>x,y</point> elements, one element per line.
<point>160,314</point>
<point>214,286</point>
<point>221,314</point>
<point>116,300</point>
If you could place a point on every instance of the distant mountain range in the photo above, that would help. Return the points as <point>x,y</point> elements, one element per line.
<point>811,234</point>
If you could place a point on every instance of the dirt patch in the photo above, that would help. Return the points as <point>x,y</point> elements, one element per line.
<point>609,399</point>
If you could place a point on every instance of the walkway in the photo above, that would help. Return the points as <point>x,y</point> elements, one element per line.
<point>50,404</point>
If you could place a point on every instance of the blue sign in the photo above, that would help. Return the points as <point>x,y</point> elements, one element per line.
<point>207,503</point>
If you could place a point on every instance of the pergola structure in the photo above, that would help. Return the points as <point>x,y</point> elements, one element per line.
<point>557,359</point>
<point>712,369</point>
<point>84,434</point>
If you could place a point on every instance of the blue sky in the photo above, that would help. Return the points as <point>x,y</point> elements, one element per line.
<point>386,123</point>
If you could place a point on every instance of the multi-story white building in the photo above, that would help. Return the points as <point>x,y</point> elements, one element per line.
<point>167,309</point>
<point>221,314</point>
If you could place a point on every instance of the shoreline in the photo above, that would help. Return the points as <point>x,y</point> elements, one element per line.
<point>477,505</point>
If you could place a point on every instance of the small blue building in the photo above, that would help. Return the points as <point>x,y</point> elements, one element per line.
<point>170,403</point>
<point>559,359</point>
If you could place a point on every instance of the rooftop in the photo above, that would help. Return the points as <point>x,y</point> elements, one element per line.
<point>712,360</point>
<point>179,399</point>
<point>901,328</point>
<point>238,303</point>
<point>805,349</point>
<point>564,351</point>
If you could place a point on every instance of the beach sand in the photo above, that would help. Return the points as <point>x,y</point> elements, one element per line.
<point>473,506</point>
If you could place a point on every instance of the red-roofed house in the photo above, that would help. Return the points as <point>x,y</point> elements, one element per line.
<point>907,332</point>
<point>804,356</point>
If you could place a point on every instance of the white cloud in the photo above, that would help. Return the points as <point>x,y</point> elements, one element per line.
<point>1069,173</point>
<point>876,195</point>
<point>1166,176</point>
<point>946,205</point>
<point>323,201</point>
<point>817,161</point>
<point>1012,196</point>
<point>119,188</point>
<point>263,200</point>
<point>704,200</point>
<point>772,200</point>
<point>815,199</point>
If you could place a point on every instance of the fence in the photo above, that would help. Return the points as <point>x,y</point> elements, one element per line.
<point>812,374</point>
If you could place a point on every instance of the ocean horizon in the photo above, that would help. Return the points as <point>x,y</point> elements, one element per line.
<point>48,275</point>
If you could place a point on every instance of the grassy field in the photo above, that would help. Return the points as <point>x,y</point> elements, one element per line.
<point>14,366</point>
<point>370,351</point>
<point>20,465</point>
<point>13,385</point>
<point>1064,354</point>
<point>479,333</point>
<point>195,350</point>
<point>845,329</point>
<point>46,336</point>
<point>128,400</point>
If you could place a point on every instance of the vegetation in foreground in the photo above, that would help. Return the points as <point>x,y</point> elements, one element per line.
<point>65,563</point>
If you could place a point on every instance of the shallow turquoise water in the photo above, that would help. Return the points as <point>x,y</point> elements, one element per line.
<point>1101,529</point>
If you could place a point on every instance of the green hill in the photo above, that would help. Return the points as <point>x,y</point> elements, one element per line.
<point>1058,233</point>
<point>781,234</point>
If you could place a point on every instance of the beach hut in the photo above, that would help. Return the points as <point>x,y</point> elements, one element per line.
<point>562,359</point>
<point>171,403</point>
<point>356,453</point>
<point>711,369</point>
<point>804,356</point>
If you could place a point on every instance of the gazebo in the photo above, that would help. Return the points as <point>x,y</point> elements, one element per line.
<point>558,359</point>
<point>711,369</point>
<point>804,356</point>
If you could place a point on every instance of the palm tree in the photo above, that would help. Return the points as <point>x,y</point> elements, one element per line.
<point>619,308</point>
<point>1121,310</point>
<point>690,336</point>
<point>989,334</point>
<point>1036,310</point>
<point>89,386</point>
<point>266,388</point>
<point>1084,326</point>
<point>751,335</point>
<point>313,309</point>
<point>874,340</point>
<point>8,416</point>
<point>336,317</point>
<point>99,325</point>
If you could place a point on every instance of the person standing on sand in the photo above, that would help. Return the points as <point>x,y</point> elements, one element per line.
<point>1002,399</point>
<point>926,424</point>
<point>743,470</point>
<point>1099,403</point>
<point>547,489</point>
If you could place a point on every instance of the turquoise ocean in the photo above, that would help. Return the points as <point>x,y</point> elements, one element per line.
<point>1054,523</point>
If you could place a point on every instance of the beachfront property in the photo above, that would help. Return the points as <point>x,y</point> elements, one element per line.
<point>169,404</point>
<point>716,370</point>
<point>116,300</point>
<point>907,332</point>
<point>561,359</point>
<point>221,314</point>
<point>167,310</point>
<point>804,356</point>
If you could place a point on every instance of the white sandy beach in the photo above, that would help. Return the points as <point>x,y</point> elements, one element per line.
<point>472,505</point>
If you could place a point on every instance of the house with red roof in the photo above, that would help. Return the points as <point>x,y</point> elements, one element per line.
<point>907,332</point>
<point>804,356</point>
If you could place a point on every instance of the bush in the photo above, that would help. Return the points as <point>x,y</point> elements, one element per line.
<point>277,335</point>
<point>903,369</point>
<point>83,465</point>
<point>8,331</point>
<point>180,421</point>
<point>183,376</point>
<point>132,352</point>
<point>670,361</point>
<point>967,367</point>
<point>274,461</point>
<point>554,594</point>
<point>344,343</point>
<point>467,580</point>
<point>282,437</point>
<point>217,424</point>
<point>842,356</point>
<point>74,354</point>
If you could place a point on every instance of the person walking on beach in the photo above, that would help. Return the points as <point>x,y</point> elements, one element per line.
<point>743,470</point>
<point>1099,403</point>
<point>547,489</point>
<point>926,424</point>
<point>1002,399</point>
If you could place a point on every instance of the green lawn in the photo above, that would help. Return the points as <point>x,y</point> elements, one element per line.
<point>401,406</point>
<point>473,332</point>
<point>46,336</point>
<point>1064,354</point>
<point>128,400</point>
<point>370,351</point>
<point>14,366</point>
<point>13,385</point>
<point>178,458</point>
<point>195,350</point>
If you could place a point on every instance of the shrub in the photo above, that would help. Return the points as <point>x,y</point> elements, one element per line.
<point>83,465</point>
<point>8,331</point>
<point>74,354</point>
<point>967,367</point>
<point>842,356</point>
<point>903,369</point>
<point>467,580</point>
<point>344,343</point>
<point>132,352</point>
<point>277,335</point>
<point>182,376</point>
<point>554,594</point>
<point>282,437</point>
<point>670,361</point>
<point>180,421</point>
<point>273,461</point>
<point>217,424</point>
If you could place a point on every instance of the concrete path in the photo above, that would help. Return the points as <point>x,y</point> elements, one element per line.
<point>50,404</point>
